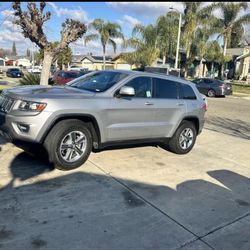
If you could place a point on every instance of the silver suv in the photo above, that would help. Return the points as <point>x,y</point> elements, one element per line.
<point>101,109</point>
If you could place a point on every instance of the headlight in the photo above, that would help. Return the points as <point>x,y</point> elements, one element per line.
<point>32,106</point>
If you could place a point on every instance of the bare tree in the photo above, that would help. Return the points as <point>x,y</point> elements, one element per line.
<point>31,23</point>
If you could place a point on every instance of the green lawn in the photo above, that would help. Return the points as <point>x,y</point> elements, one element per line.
<point>241,89</point>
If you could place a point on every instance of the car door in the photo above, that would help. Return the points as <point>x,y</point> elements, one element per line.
<point>201,86</point>
<point>168,108</point>
<point>209,85</point>
<point>131,117</point>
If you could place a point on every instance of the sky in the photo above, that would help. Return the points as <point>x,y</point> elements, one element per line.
<point>127,14</point>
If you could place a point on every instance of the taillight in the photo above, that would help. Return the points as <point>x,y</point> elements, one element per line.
<point>222,86</point>
<point>205,106</point>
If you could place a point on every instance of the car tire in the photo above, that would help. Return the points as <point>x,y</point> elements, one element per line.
<point>183,139</point>
<point>211,93</point>
<point>68,144</point>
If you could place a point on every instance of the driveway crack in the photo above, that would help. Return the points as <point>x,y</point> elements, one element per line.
<point>152,205</point>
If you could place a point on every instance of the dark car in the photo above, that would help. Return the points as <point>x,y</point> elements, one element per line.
<point>14,72</point>
<point>213,87</point>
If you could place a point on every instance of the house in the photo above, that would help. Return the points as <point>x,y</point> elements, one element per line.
<point>119,63</point>
<point>242,63</point>
<point>91,62</point>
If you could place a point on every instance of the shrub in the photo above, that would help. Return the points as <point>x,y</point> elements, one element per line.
<point>30,79</point>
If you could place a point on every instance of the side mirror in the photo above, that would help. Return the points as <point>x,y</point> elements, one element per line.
<point>127,91</point>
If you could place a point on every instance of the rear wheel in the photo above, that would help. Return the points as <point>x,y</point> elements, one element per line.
<point>69,144</point>
<point>211,93</point>
<point>183,139</point>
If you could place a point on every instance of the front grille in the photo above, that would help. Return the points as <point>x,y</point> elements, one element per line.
<point>6,103</point>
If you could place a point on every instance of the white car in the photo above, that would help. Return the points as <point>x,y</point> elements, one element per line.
<point>35,69</point>
<point>76,68</point>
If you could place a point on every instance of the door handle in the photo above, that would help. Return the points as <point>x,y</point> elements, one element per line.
<point>180,104</point>
<point>149,103</point>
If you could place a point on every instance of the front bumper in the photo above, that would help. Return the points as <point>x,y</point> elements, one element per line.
<point>10,126</point>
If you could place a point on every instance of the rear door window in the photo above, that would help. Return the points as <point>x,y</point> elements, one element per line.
<point>166,89</point>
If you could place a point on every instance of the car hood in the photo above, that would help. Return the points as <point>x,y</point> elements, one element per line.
<point>47,92</point>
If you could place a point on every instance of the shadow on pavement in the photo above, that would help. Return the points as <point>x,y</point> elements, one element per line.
<point>82,210</point>
<point>233,127</point>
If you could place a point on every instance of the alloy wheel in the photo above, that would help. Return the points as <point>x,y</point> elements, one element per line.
<point>73,146</point>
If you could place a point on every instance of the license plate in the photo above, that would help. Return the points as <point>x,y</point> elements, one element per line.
<point>18,75</point>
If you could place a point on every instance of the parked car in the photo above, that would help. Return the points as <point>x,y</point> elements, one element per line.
<point>35,70</point>
<point>14,72</point>
<point>100,109</point>
<point>61,77</point>
<point>213,87</point>
<point>73,67</point>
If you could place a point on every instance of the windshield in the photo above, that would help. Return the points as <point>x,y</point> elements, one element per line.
<point>98,81</point>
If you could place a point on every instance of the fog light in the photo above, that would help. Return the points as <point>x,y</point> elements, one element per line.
<point>23,128</point>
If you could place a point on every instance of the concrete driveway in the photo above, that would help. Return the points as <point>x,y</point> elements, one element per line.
<point>137,198</point>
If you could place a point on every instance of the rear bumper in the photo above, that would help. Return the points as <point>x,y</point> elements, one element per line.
<point>226,91</point>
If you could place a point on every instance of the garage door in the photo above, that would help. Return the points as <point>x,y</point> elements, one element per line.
<point>123,66</point>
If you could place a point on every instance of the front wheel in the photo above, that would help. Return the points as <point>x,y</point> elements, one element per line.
<point>184,138</point>
<point>69,144</point>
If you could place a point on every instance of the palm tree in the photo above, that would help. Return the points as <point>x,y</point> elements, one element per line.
<point>202,34</point>
<point>214,54</point>
<point>167,29</point>
<point>195,15</point>
<point>230,20</point>
<point>106,33</point>
<point>147,34</point>
<point>144,41</point>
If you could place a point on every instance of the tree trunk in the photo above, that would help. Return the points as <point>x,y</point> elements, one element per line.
<point>200,69</point>
<point>164,59</point>
<point>47,61</point>
<point>186,64</point>
<point>212,69</point>
<point>104,57</point>
<point>224,54</point>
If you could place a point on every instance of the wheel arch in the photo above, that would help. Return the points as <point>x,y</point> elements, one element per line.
<point>90,121</point>
<point>194,120</point>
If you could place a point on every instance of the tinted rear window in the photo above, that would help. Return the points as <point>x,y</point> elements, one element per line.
<point>186,92</point>
<point>165,88</point>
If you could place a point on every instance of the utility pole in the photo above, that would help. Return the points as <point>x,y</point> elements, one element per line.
<point>178,40</point>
